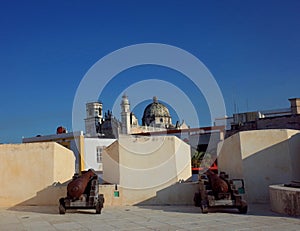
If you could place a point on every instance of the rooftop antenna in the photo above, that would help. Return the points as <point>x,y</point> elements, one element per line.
<point>235,105</point>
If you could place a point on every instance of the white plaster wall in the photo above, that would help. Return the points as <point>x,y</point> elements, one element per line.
<point>145,165</point>
<point>182,161</point>
<point>175,194</point>
<point>74,148</point>
<point>229,159</point>
<point>27,170</point>
<point>111,170</point>
<point>167,194</point>
<point>90,152</point>
<point>266,161</point>
<point>262,158</point>
<point>72,137</point>
<point>294,146</point>
<point>146,162</point>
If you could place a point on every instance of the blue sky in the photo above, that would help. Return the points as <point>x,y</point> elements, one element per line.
<point>252,49</point>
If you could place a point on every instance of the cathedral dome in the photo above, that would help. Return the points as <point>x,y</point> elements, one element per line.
<point>156,113</point>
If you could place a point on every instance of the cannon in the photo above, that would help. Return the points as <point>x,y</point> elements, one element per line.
<point>220,191</point>
<point>82,193</point>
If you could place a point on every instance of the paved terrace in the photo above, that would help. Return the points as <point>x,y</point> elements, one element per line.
<point>43,218</point>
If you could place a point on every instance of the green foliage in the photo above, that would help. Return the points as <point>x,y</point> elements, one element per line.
<point>197,158</point>
<point>202,159</point>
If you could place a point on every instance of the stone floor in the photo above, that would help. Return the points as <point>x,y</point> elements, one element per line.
<point>43,218</point>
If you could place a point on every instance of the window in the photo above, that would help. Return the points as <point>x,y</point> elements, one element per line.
<point>99,150</point>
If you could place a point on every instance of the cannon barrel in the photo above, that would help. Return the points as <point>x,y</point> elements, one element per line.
<point>78,185</point>
<point>218,185</point>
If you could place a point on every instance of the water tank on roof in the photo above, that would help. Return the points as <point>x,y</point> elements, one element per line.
<point>61,130</point>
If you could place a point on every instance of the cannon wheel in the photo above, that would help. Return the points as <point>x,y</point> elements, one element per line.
<point>204,206</point>
<point>98,208</point>
<point>99,204</point>
<point>62,209</point>
<point>243,208</point>
<point>197,199</point>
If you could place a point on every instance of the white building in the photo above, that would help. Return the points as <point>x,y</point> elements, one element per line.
<point>87,150</point>
<point>93,152</point>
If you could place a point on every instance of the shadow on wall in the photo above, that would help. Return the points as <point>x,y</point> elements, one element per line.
<point>176,194</point>
<point>276,164</point>
<point>46,197</point>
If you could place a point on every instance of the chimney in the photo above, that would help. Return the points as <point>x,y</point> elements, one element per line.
<point>295,106</point>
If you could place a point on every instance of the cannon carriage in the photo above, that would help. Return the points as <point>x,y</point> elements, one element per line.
<point>220,191</point>
<point>82,193</point>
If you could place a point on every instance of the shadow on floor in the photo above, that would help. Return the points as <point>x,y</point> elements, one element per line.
<point>253,209</point>
<point>49,210</point>
<point>35,209</point>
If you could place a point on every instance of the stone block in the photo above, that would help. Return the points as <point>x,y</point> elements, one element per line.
<point>285,200</point>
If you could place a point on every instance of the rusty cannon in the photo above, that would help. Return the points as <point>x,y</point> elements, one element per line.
<point>82,193</point>
<point>220,191</point>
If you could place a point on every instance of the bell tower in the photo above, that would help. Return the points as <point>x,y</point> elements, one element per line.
<point>93,119</point>
<point>125,115</point>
